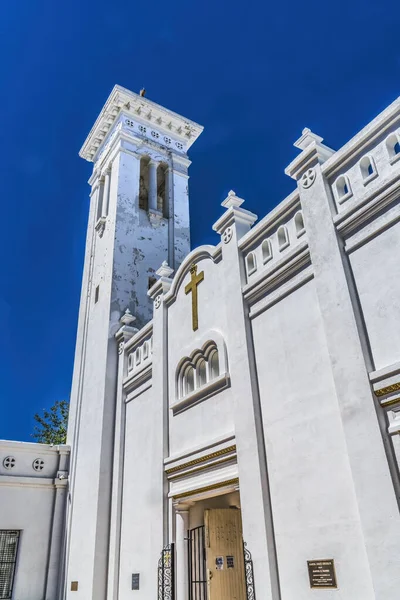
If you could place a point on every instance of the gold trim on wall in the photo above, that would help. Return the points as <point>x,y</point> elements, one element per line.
<point>390,402</point>
<point>395,387</point>
<point>207,488</point>
<point>197,461</point>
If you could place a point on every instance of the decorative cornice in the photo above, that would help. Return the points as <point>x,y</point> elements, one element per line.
<point>202,459</point>
<point>275,276</point>
<point>138,106</point>
<point>386,403</point>
<point>213,253</point>
<point>203,393</point>
<point>272,220</point>
<point>395,387</point>
<point>136,378</point>
<point>33,447</point>
<point>234,215</point>
<point>207,488</point>
<point>363,140</point>
<point>361,212</point>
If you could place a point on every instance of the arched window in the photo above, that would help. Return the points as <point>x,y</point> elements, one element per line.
<point>299,223</point>
<point>283,238</point>
<point>343,188</point>
<point>189,381</point>
<point>251,263</point>
<point>130,362</point>
<point>367,168</point>
<point>393,146</point>
<point>201,371</point>
<point>161,178</point>
<point>266,249</point>
<point>214,365</point>
<point>137,356</point>
<point>145,350</point>
<point>144,183</point>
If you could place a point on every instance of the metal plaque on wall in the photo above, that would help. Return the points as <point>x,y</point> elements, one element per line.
<point>135,581</point>
<point>322,573</point>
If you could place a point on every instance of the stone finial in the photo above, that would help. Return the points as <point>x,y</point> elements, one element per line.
<point>307,138</point>
<point>165,270</point>
<point>232,200</point>
<point>127,318</point>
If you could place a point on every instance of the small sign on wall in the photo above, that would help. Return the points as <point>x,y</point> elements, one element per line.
<point>219,563</point>
<point>135,581</point>
<point>322,573</point>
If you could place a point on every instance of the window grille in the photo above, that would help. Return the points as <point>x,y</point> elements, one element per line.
<point>8,557</point>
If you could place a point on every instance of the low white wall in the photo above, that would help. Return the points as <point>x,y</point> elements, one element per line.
<point>27,499</point>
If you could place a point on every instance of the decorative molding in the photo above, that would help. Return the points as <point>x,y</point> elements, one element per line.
<point>191,452</point>
<point>157,301</point>
<point>135,106</point>
<point>140,336</point>
<point>308,178</point>
<point>137,378</point>
<point>213,253</point>
<point>361,142</point>
<point>386,403</point>
<point>202,393</point>
<point>207,488</point>
<point>100,225</point>
<point>278,273</point>
<point>227,235</point>
<point>395,387</point>
<point>279,215</point>
<point>202,459</point>
<point>276,295</point>
<point>121,347</point>
<point>9,462</point>
<point>38,465</point>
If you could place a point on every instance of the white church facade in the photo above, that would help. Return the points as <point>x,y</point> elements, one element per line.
<point>235,409</point>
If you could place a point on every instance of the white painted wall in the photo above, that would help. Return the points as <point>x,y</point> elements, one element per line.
<point>140,501</point>
<point>211,418</point>
<point>27,504</point>
<point>376,269</point>
<point>313,501</point>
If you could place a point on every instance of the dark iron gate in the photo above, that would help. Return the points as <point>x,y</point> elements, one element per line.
<point>197,564</point>
<point>198,570</point>
<point>166,573</point>
<point>248,573</point>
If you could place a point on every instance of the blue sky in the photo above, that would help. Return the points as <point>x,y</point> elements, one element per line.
<point>253,73</point>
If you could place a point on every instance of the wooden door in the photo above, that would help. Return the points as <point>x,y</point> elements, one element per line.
<point>224,554</point>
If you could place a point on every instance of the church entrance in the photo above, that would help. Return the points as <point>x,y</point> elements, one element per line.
<point>216,558</point>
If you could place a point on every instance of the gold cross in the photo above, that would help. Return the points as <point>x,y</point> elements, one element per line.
<point>192,287</point>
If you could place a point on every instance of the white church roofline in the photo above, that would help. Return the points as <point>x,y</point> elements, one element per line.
<point>363,138</point>
<point>214,253</point>
<point>271,220</point>
<point>120,97</point>
<point>16,446</point>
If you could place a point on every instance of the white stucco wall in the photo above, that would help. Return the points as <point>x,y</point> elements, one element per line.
<point>376,269</point>
<point>28,504</point>
<point>141,513</point>
<point>212,418</point>
<point>313,504</point>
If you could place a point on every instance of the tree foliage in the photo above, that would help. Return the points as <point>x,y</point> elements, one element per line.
<point>51,426</point>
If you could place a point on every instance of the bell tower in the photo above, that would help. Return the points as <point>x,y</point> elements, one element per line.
<point>139,217</point>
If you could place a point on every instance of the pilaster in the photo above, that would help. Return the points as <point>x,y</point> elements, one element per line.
<point>160,408</point>
<point>252,465</point>
<point>374,492</point>
<point>122,336</point>
<point>181,549</point>
<point>55,564</point>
